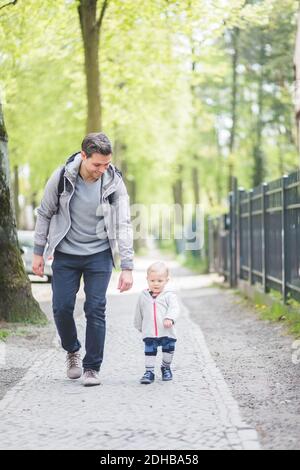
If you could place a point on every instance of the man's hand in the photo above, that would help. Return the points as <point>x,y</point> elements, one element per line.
<point>38,265</point>
<point>125,281</point>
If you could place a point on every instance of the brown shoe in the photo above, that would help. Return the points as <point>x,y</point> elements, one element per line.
<point>91,378</point>
<point>74,368</point>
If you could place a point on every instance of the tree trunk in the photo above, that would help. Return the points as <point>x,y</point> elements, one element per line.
<point>297,82</point>
<point>196,185</point>
<point>234,91</point>
<point>118,149</point>
<point>16,301</point>
<point>178,187</point>
<point>130,182</point>
<point>219,173</point>
<point>195,160</point>
<point>178,200</point>
<point>258,153</point>
<point>16,195</point>
<point>90,30</point>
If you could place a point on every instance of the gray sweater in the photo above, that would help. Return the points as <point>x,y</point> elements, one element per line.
<point>151,313</point>
<point>87,234</point>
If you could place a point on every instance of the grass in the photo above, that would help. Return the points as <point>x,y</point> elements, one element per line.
<point>141,251</point>
<point>166,247</point>
<point>4,334</point>
<point>197,265</point>
<point>287,314</point>
<point>37,322</point>
<point>35,318</point>
<point>277,312</point>
<point>21,330</point>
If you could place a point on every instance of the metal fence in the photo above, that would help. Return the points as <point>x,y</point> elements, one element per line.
<point>259,240</point>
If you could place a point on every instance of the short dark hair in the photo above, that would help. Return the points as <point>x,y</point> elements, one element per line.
<point>96,142</point>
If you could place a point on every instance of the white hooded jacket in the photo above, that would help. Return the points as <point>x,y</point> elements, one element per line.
<point>151,313</point>
<point>54,219</point>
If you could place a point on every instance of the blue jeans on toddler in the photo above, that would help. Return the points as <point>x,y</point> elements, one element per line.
<point>168,347</point>
<point>151,345</point>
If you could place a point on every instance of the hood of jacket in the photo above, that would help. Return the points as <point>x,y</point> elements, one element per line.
<point>146,294</point>
<point>111,179</point>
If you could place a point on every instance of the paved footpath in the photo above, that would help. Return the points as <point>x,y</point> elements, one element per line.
<point>195,411</point>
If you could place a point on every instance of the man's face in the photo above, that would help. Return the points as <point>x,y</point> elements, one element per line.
<point>97,164</point>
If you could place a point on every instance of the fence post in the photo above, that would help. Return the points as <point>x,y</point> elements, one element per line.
<point>219,244</point>
<point>250,236</point>
<point>233,233</point>
<point>212,247</point>
<point>263,236</point>
<point>283,239</point>
<point>229,255</point>
<point>239,234</point>
<point>210,244</point>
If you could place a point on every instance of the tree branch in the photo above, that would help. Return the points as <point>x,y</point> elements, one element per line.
<point>102,13</point>
<point>13,2</point>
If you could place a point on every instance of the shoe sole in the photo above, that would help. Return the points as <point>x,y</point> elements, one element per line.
<point>91,385</point>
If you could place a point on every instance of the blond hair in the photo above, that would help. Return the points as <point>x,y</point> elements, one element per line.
<point>158,267</point>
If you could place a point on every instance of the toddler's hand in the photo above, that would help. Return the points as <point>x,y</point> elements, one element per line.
<point>168,323</point>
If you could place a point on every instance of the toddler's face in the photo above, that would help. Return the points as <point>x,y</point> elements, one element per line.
<point>157,281</point>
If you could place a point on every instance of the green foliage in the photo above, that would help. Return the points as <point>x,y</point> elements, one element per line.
<point>27,330</point>
<point>166,82</point>
<point>196,264</point>
<point>289,315</point>
<point>4,334</point>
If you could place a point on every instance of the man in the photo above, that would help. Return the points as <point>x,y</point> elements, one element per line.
<point>82,226</point>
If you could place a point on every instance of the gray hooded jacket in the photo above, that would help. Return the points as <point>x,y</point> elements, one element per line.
<point>53,222</point>
<point>151,313</point>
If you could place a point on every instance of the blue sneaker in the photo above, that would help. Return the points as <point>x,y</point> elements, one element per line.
<point>166,373</point>
<point>147,378</point>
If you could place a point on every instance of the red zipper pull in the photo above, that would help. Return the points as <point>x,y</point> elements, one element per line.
<point>155,318</point>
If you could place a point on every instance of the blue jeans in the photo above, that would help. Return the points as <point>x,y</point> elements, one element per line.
<point>151,344</point>
<point>96,271</point>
